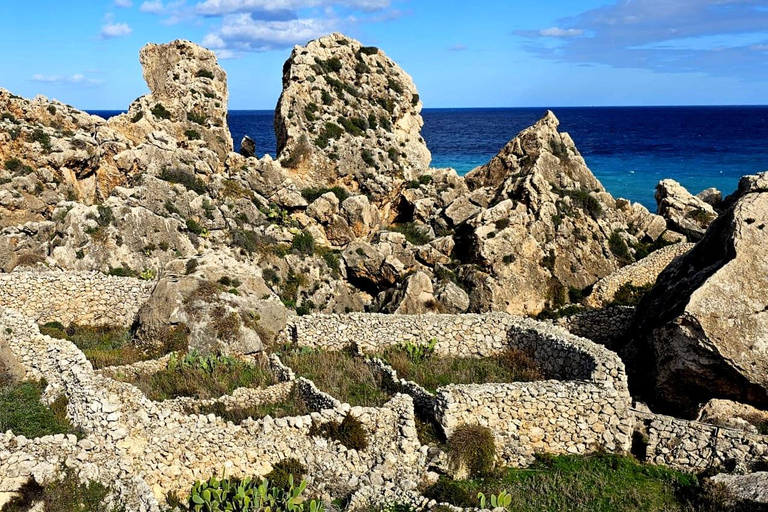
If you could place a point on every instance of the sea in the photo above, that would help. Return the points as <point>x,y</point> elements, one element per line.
<point>629,149</point>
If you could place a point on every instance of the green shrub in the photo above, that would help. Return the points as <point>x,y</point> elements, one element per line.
<point>368,50</point>
<point>160,112</point>
<point>473,447</point>
<point>385,123</point>
<point>103,346</point>
<point>184,178</point>
<point>23,412</point>
<point>194,227</point>
<point>191,266</point>
<point>303,243</point>
<point>193,135</point>
<point>64,495</point>
<point>38,135</point>
<point>619,248</point>
<point>204,73</point>
<point>450,491</point>
<point>233,494</point>
<point>106,217</point>
<point>332,65</point>
<point>138,116</point>
<point>414,233</point>
<point>395,86</point>
<point>13,164</point>
<point>349,432</point>
<point>630,295</point>
<point>326,97</point>
<point>283,470</point>
<point>123,271</point>
<point>197,118</point>
<point>312,194</point>
<point>355,126</point>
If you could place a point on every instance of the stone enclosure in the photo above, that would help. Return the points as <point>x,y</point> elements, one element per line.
<point>143,449</point>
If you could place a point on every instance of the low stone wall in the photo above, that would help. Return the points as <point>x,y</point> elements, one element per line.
<point>604,326</point>
<point>695,447</point>
<point>640,273</point>
<point>143,449</point>
<point>88,298</point>
<point>582,408</point>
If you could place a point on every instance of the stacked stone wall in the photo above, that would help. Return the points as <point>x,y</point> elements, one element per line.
<point>582,407</point>
<point>86,298</point>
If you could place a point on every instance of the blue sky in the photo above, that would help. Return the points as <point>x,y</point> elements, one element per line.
<point>490,53</point>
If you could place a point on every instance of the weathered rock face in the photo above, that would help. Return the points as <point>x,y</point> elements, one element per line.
<point>702,331</point>
<point>188,98</point>
<point>53,150</point>
<point>684,212</point>
<point>348,114</point>
<point>727,413</point>
<point>537,221</point>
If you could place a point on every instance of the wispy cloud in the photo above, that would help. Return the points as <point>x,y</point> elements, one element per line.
<point>223,7</point>
<point>457,48</point>
<point>124,3</point>
<point>112,30</point>
<point>560,32</point>
<point>662,35</point>
<point>78,78</point>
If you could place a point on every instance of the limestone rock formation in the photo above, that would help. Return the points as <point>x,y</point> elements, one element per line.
<point>746,492</point>
<point>684,212</point>
<point>731,414</point>
<point>702,331</point>
<point>349,115</point>
<point>248,147</point>
<point>188,98</point>
<point>536,222</point>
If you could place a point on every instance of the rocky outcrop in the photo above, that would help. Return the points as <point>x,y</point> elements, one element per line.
<point>731,414</point>
<point>349,115</point>
<point>188,99</point>
<point>684,212</point>
<point>744,492</point>
<point>639,274</point>
<point>702,331</point>
<point>536,222</point>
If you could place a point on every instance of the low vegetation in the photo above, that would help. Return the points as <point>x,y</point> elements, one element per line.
<point>472,447</point>
<point>630,295</point>
<point>415,234</point>
<point>23,412</point>
<point>184,178</point>
<point>65,495</point>
<point>105,345</point>
<point>349,432</point>
<point>292,405</point>
<point>340,374</point>
<point>312,194</point>
<point>432,371</point>
<point>599,482</point>
<point>203,377</point>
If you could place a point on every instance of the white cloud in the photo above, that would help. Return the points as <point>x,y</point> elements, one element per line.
<point>240,32</point>
<point>77,78</point>
<point>760,48</point>
<point>560,32</point>
<point>124,3</point>
<point>153,6</point>
<point>111,30</point>
<point>222,7</point>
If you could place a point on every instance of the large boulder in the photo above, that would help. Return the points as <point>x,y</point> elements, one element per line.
<point>702,331</point>
<point>684,212</point>
<point>188,98</point>
<point>348,114</point>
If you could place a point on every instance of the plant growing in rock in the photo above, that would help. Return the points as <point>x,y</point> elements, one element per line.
<point>472,448</point>
<point>350,432</point>
<point>160,112</point>
<point>283,470</point>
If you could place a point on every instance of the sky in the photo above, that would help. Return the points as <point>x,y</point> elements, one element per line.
<point>486,53</point>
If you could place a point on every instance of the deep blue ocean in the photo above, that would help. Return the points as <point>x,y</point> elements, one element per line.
<point>628,148</point>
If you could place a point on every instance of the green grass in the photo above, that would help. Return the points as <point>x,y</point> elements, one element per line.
<point>433,372</point>
<point>597,483</point>
<point>103,346</point>
<point>22,412</point>
<point>340,374</point>
<point>203,377</point>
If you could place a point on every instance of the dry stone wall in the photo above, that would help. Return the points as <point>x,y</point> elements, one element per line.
<point>607,326</point>
<point>88,298</point>
<point>695,447</point>
<point>582,408</point>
